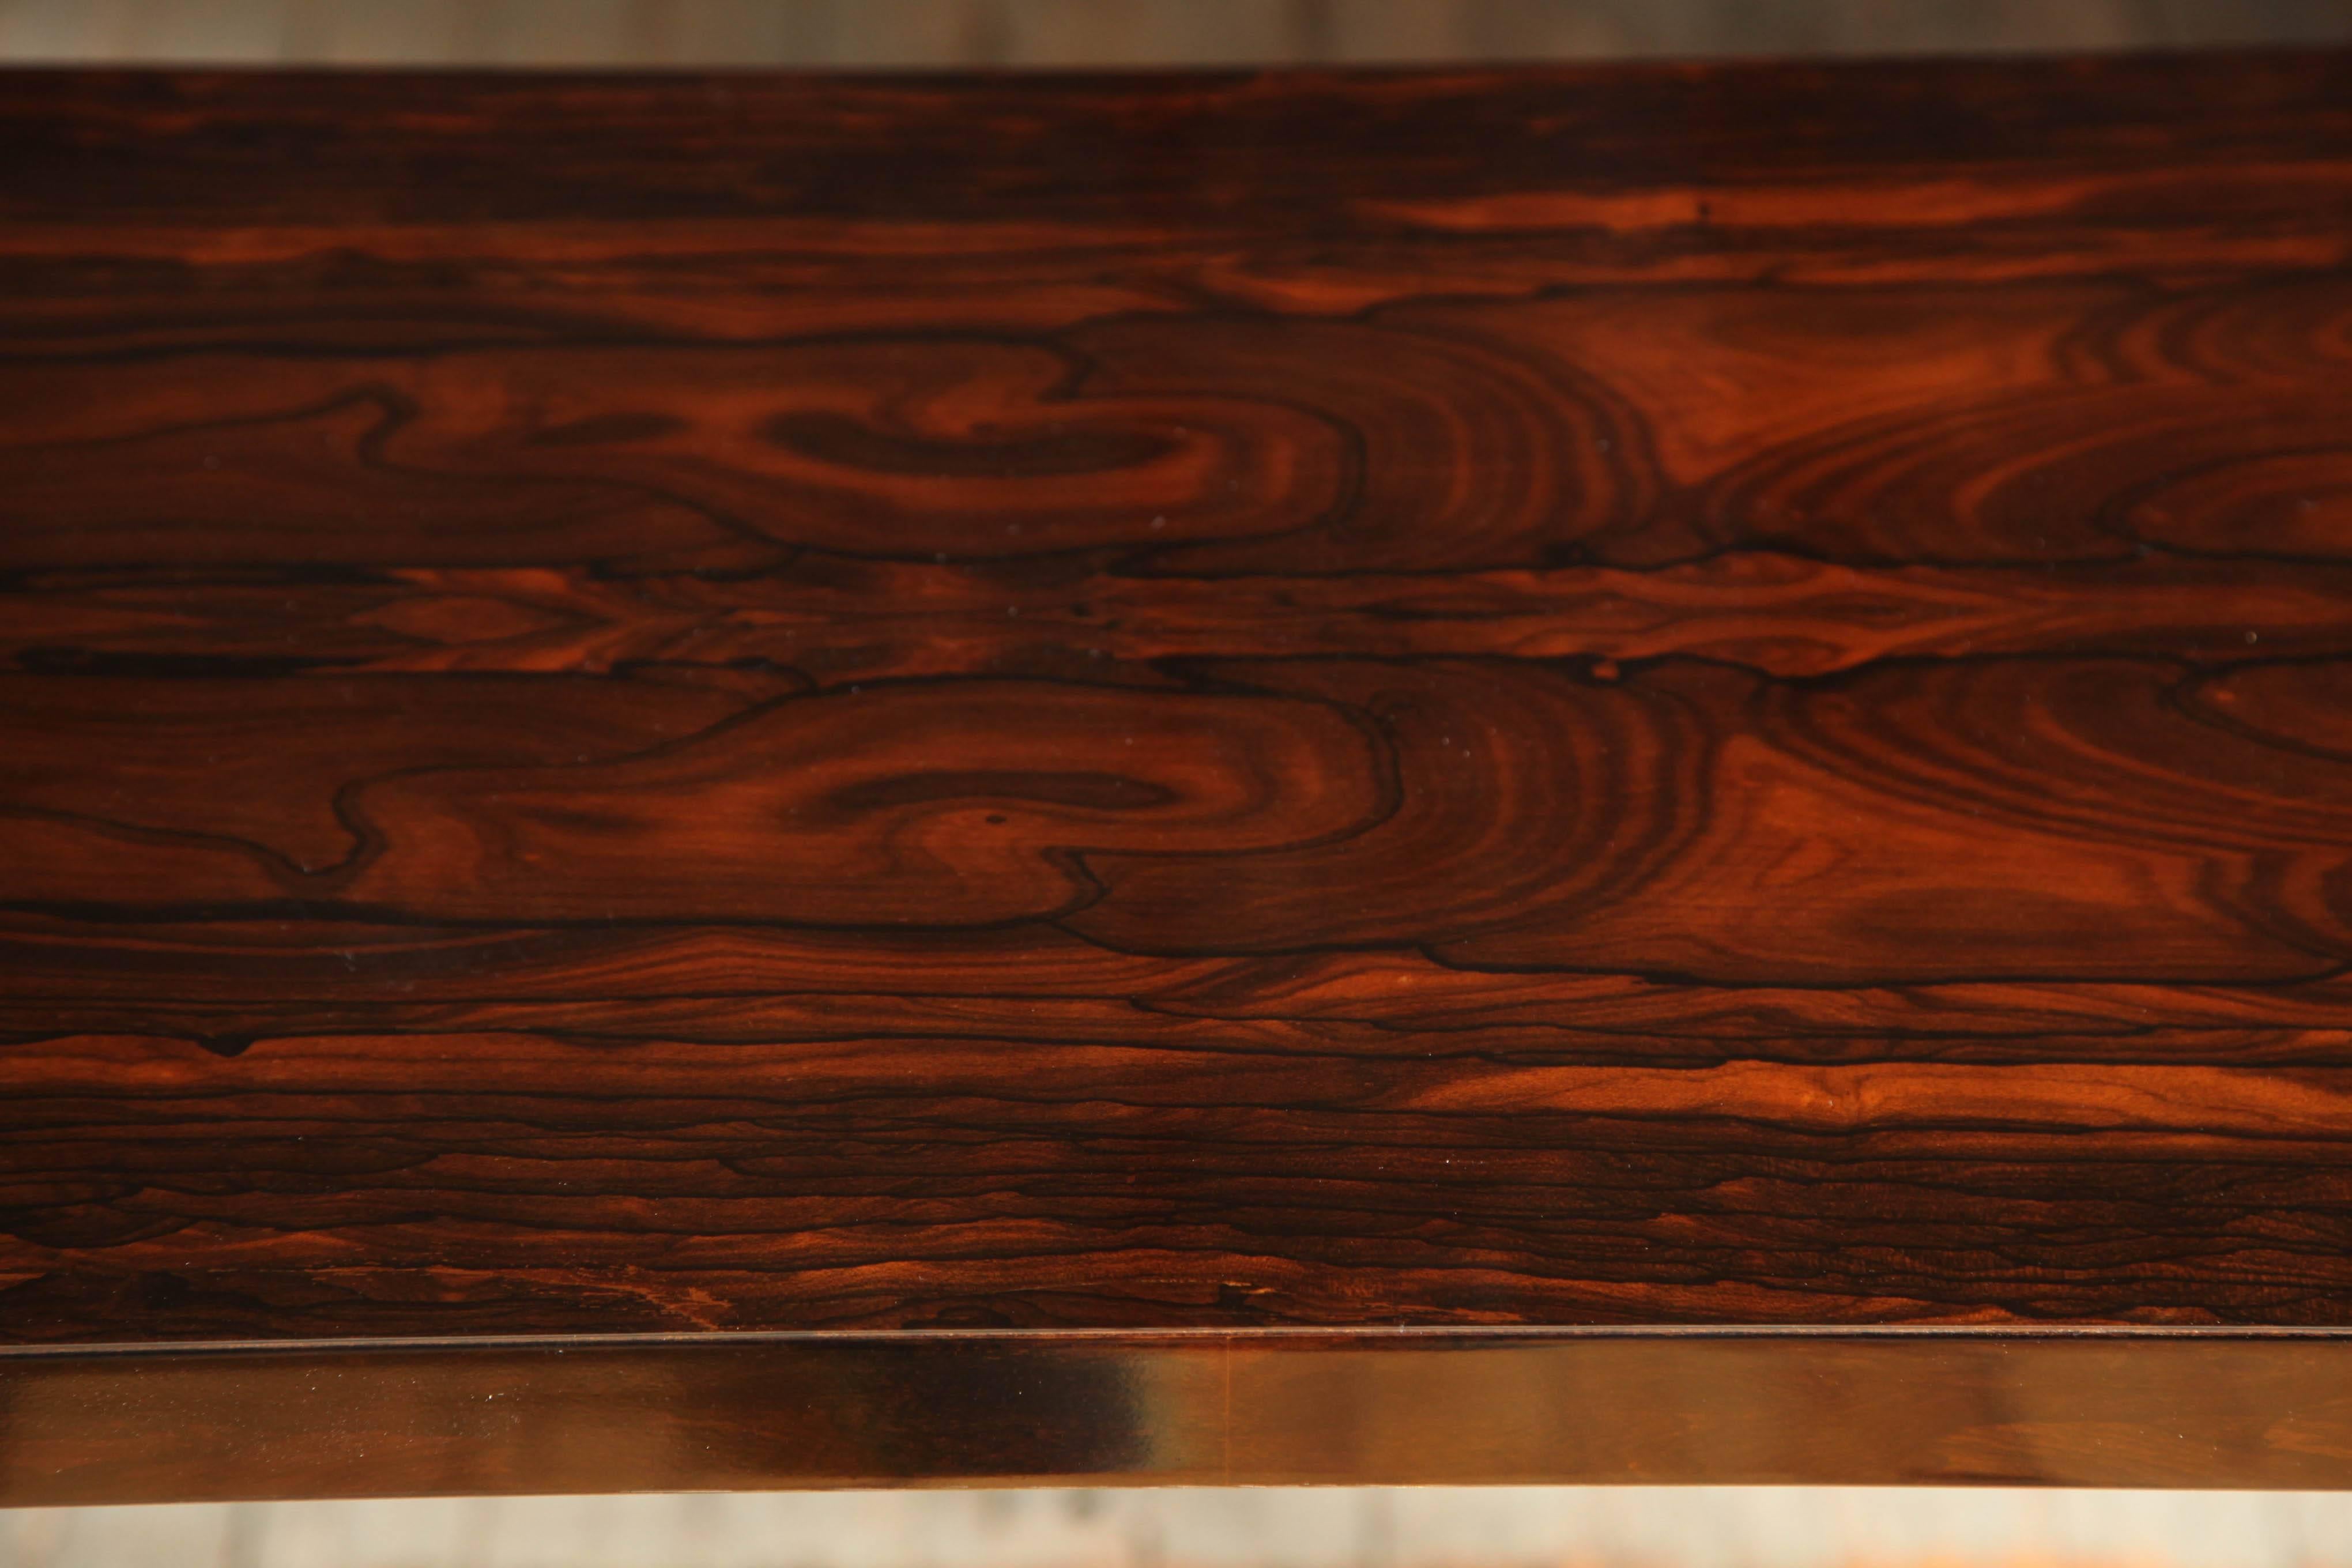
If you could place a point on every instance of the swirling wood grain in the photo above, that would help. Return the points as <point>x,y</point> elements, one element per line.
<point>1654,697</point>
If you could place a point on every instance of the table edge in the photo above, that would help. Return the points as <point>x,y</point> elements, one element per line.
<point>2108,1405</point>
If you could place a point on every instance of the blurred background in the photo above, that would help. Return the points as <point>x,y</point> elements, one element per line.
<point>1505,1527</point>
<point>1441,1527</point>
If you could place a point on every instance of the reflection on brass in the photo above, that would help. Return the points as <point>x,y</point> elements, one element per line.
<point>2129,1408</point>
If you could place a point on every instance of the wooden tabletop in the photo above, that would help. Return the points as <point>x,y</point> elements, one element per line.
<point>1176,777</point>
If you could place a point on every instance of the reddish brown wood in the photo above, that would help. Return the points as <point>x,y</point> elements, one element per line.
<point>1652,696</point>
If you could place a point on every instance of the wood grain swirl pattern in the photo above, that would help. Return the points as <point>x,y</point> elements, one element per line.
<point>1658,696</point>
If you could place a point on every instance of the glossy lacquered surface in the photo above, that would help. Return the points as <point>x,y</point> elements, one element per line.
<point>1647,697</point>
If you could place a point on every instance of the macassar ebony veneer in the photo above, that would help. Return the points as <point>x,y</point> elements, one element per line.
<point>1628,771</point>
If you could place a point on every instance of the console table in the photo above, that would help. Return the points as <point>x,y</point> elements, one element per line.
<point>1636,773</point>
